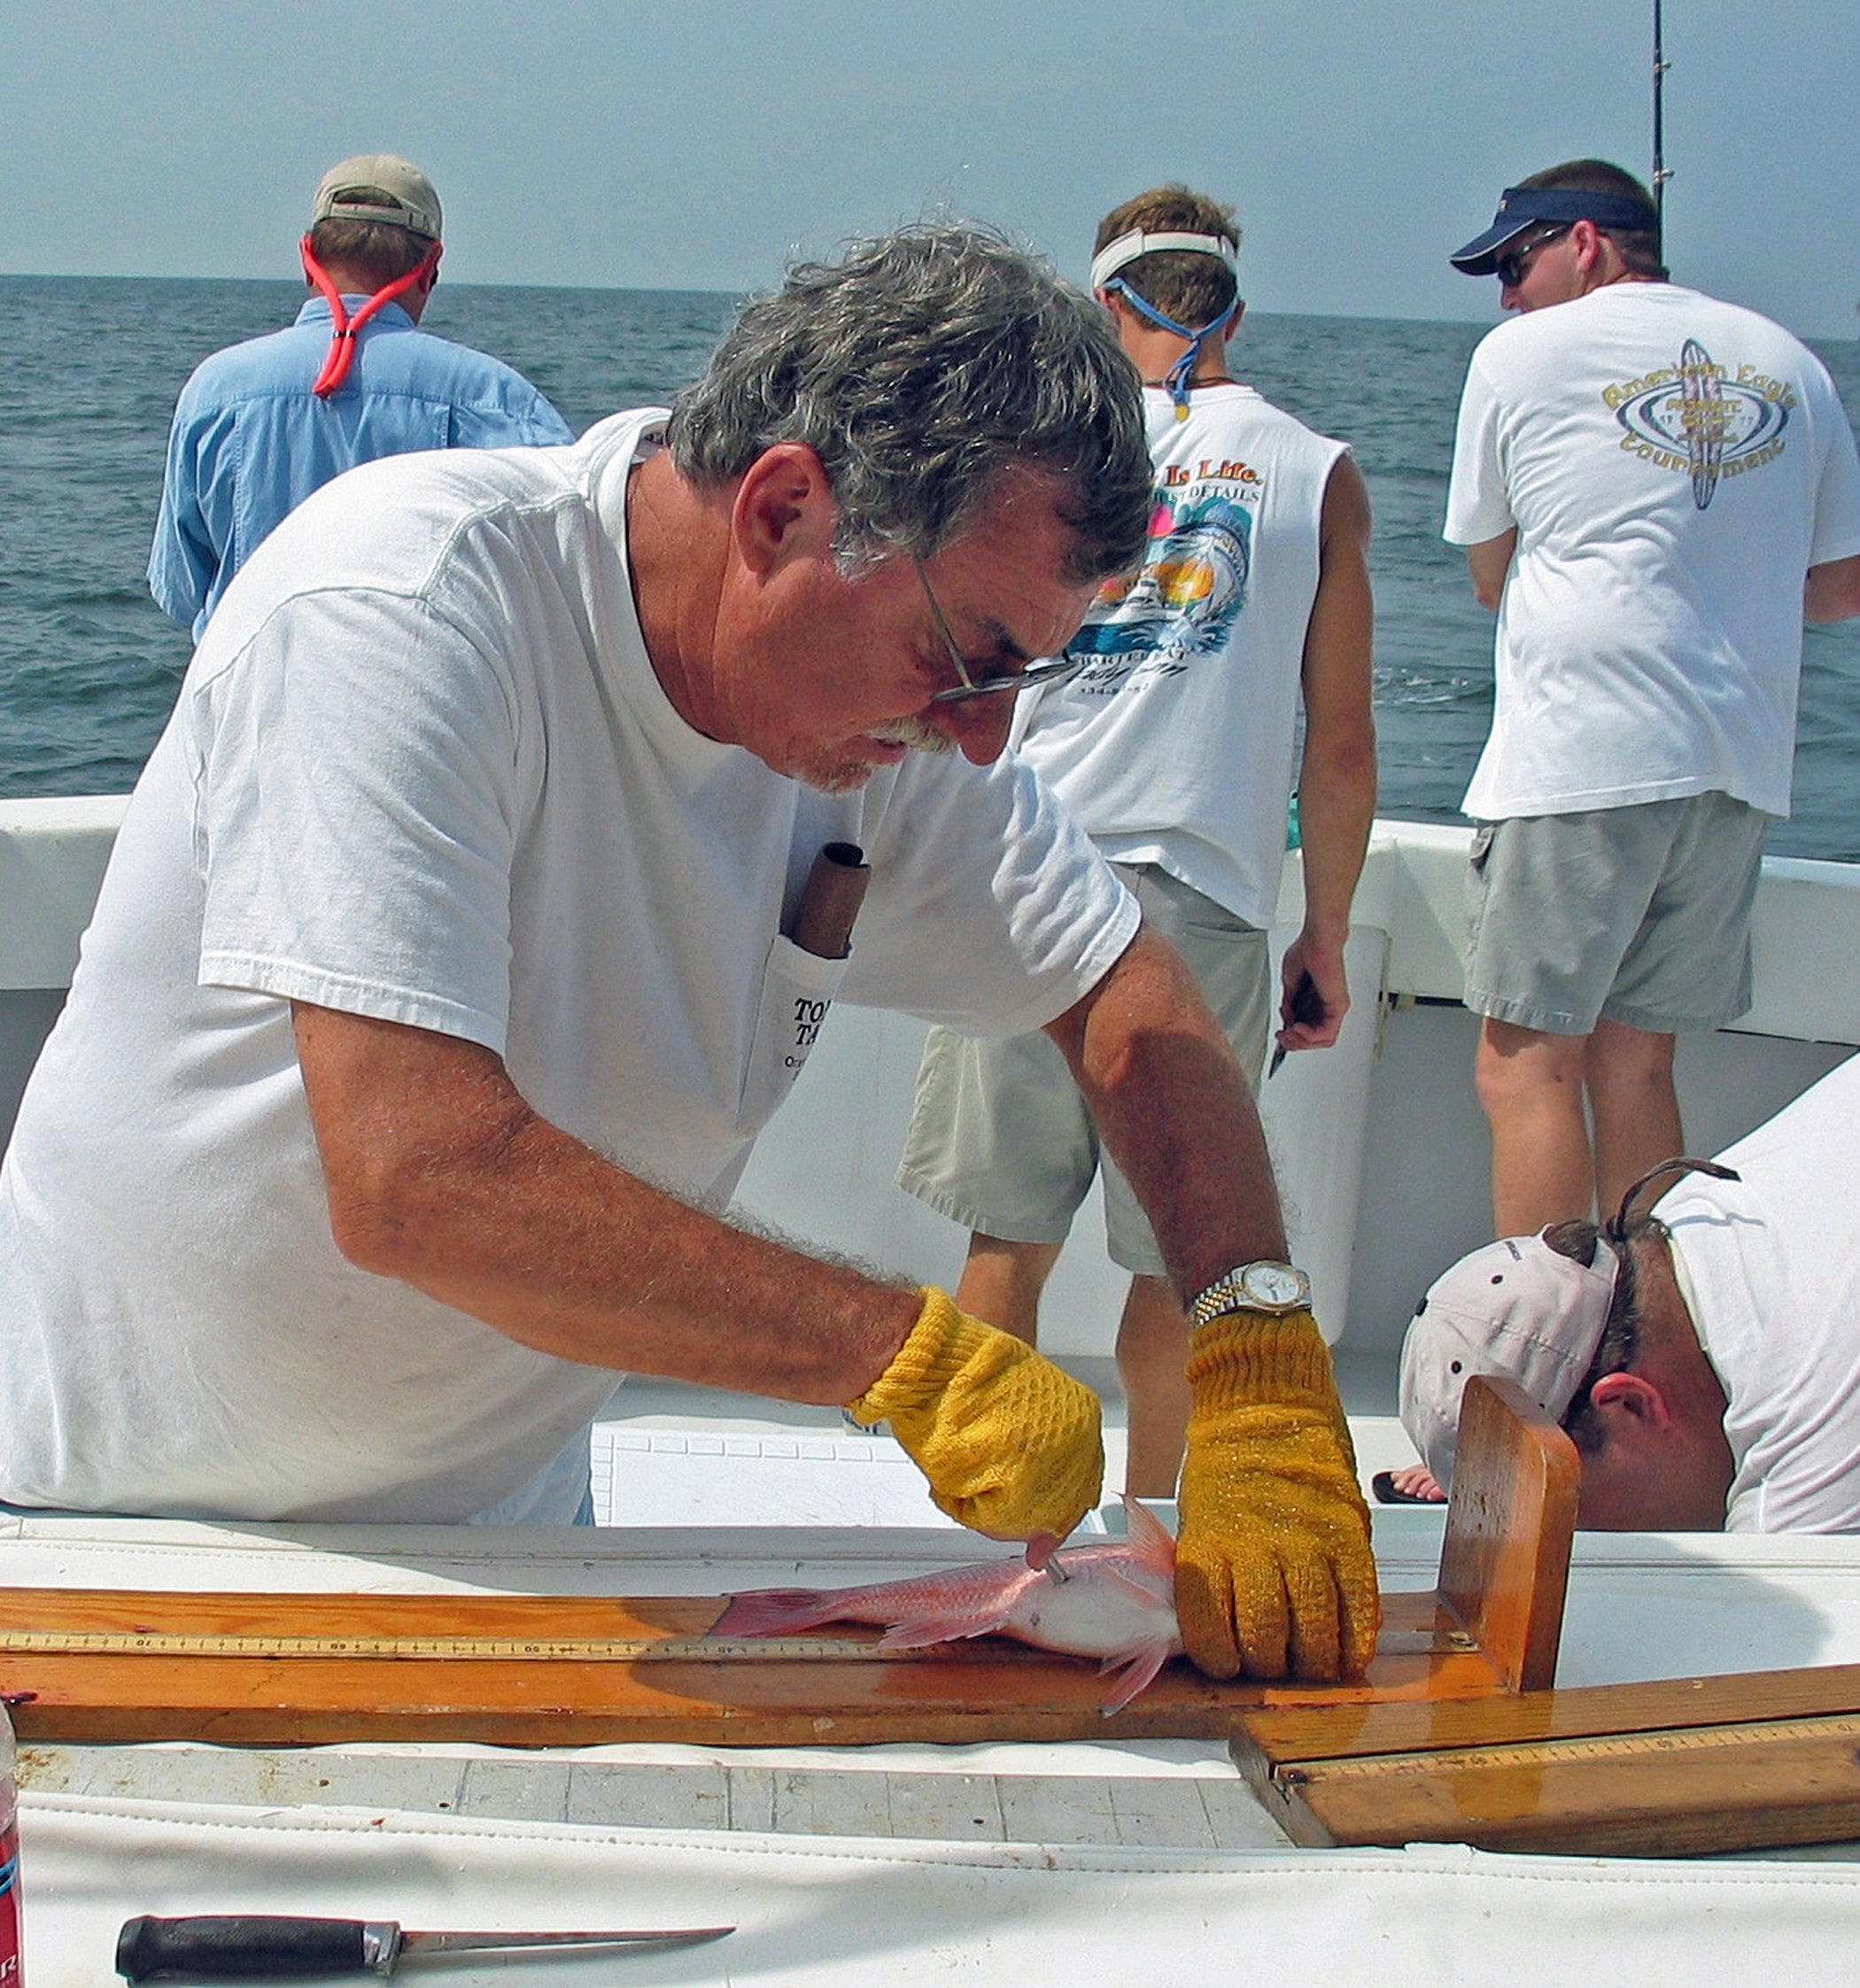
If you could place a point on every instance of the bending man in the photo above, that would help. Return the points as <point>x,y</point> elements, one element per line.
<point>1705,1355</point>
<point>441,977</point>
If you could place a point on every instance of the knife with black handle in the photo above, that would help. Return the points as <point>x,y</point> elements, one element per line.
<point>1307,1005</point>
<point>272,1948</point>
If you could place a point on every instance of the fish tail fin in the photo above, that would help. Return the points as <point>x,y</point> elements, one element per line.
<point>1131,1669</point>
<point>776,1612</point>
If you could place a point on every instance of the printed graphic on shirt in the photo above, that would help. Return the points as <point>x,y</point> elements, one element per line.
<point>1183,601</point>
<point>1701,419</point>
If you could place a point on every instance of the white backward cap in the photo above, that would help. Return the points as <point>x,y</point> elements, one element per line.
<point>1517,1308</point>
<point>377,186</point>
<point>1115,255</point>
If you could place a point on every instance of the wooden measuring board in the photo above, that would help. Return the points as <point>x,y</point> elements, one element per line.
<point>92,1665</point>
<point>1753,1761</point>
<point>527,1670</point>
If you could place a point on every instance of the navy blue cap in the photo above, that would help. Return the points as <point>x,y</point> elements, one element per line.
<point>1530,206</point>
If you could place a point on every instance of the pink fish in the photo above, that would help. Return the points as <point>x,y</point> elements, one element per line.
<point>1115,1602</point>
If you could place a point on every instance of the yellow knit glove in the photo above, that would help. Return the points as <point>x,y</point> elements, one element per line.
<point>1010,1445</point>
<point>1273,1575</point>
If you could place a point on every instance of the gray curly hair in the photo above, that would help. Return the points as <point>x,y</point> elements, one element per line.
<point>919,368</point>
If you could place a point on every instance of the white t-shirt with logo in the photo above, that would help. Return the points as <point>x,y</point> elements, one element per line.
<point>1770,1268</point>
<point>422,770</point>
<point>1176,745</point>
<point>1673,466</point>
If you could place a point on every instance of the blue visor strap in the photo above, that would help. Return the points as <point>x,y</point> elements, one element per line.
<point>1176,379</point>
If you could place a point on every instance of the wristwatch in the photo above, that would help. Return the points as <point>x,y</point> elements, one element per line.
<point>1274,1288</point>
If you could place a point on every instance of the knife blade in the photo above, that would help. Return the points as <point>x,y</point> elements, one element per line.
<point>1307,1005</point>
<point>215,1946</point>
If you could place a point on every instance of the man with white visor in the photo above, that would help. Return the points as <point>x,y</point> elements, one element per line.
<point>1704,1355</point>
<point>1174,746</point>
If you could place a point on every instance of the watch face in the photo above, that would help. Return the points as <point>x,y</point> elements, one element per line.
<point>1274,1284</point>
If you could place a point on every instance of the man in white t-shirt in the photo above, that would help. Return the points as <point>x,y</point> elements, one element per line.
<point>1653,489</point>
<point>1175,747</point>
<point>1705,1357</point>
<point>448,963</point>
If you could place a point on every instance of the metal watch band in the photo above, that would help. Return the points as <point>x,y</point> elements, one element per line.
<point>1232,1292</point>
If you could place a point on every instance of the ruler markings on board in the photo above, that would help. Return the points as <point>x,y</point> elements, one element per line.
<point>1578,1748</point>
<point>687,1649</point>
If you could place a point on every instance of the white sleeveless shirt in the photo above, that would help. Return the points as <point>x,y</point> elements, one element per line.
<point>1174,745</point>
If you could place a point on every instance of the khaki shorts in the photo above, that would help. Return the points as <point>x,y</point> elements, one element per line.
<point>1640,914</point>
<point>1001,1141</point>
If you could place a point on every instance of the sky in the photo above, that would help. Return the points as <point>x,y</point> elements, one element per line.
<point>700,144</point>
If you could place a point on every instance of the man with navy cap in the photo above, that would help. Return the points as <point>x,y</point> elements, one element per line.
<point>262,424</point>
<point>1653,489</point>
<point>1705,1354</point>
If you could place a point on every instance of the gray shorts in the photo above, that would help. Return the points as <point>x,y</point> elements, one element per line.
<point>1001,1141</point>
<point>1641,914</point>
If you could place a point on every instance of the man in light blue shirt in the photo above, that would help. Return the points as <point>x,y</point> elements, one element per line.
<point>262,424</point>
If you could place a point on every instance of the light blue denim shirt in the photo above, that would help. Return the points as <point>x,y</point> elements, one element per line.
<point>251,441</point>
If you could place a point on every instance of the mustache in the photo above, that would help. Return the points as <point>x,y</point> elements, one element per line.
<point>917,733</point>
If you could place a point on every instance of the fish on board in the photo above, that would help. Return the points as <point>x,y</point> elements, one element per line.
<point>1114,1601</point>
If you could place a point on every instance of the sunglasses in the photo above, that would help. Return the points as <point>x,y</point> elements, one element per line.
<point>1051,670</point>
<point>1510,267</point>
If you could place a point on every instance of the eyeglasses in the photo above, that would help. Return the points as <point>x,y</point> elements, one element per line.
<point>1509,269</point>
<point>1051,670</point>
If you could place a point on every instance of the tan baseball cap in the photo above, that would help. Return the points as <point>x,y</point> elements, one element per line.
<point>377,186</point>
<point>1517,1308</point>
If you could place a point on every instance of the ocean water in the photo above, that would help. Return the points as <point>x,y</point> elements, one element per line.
<point>89,665</point>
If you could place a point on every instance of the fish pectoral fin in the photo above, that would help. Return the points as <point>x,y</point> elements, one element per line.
<point>1132,1668</point>
<point>946,1628</point>
<point>1142,1582</point>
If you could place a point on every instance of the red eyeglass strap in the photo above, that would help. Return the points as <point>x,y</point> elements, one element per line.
<point>342,337</point>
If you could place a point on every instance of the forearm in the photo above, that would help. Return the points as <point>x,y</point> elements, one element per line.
<point>1175,1114</point>
<point>1336,807</point>
<point>1489,565</point>
<point>440,1175</point>
<point>1832,591</point>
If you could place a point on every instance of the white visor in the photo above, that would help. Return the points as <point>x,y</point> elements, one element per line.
<point>1106,263</point>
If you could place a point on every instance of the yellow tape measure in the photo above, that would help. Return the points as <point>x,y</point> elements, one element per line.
<point>1558,1752</point>
<point>607,1650</point>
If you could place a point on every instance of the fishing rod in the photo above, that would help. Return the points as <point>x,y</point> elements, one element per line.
<point>1661,65</point>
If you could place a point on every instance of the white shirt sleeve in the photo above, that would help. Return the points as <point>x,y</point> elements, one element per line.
<point>989,911</point>
<point>1476,506</point>
<point>358,794</point>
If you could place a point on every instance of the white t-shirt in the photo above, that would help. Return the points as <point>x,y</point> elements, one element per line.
<point>1176,745</point>
<point>422,770</point>
<point>1673,466</point>
<point>1770,1267</point>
